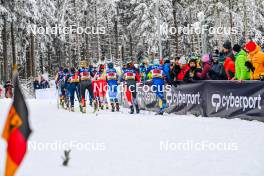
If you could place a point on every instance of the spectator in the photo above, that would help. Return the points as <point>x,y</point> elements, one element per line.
<point>142,70</point>
<point>191,75</point>
<point>229,66</point>
<point>44,84</point>
<point>36,84</point>
<point>1,91</point>
<point>8,89</point>
<point>184,68</point>
<point>217,70</point>
<point>229,63</point>
<point>206,67</point>
<point>256,60</point>
<point>227,52</point>
<point>167,71</point>
<point>242,72</point>
<point>176,69</point>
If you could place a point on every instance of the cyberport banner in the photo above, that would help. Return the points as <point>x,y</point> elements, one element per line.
<point>186,98</point>
<point>227,99</point>
<point>235,100</point>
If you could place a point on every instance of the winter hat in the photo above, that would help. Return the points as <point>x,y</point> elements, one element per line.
<point>167,61</point>
<point>237,48</point>
<point>251,46</point>
<point>205,58</point>
<point>216,54</point>
<point>227,45</point>
<point>183,60</point>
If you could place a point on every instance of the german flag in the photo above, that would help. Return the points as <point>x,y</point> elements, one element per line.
<point>16,131</point>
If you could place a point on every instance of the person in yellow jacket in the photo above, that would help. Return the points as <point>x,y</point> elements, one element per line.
<point>256,58</point>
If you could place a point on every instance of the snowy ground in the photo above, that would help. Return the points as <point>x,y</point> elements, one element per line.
<point>118,144</point>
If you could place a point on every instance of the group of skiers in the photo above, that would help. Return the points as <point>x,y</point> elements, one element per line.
<point>105,80</point>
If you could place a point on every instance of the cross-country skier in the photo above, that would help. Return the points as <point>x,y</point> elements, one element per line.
<point>100,87</point>
<point>112,81</point>
<point>158,83</point>
<point>73,87</point>
<point>64,88</point>
<point>59,81</point>
<point>85,74</point>
<point>130,77</point>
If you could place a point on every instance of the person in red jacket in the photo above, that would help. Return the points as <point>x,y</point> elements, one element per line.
<point>229,60</point>
<point>131,77</point>
<point>184,68</point>
<point>8,89</point>
<point>229,66</point>
<point>207,65</point>
<point>1,90</point>
<point>100,87</point>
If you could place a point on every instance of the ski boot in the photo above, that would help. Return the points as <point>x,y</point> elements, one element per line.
<point>117,107</point>
<point>160,112</point>
<point>137,109</point>
<point>100,105</point>
<point>61,101</point>
<point>66,104</point>
<point>83,109</point>
<point>163,108</point>
<point>95,106</point>
<point>112,107</point>
<point>72,109</point>
<point>131,110</point>
<point>106,106</point>
<point>83,106</point>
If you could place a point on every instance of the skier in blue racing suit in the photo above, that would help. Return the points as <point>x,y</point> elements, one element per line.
<point>112,81</point>
<point>158,83</point>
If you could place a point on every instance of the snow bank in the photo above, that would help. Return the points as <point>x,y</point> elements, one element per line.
<point>121,144</point>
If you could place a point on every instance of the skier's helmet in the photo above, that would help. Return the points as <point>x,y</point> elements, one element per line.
<point>65,70</point>
<point>101,67</point>
<point>73,70</point>
<point>156,62</point>
<point>60,69</point>
<point>110,65</point>
<point>167,61</point>
<point>83,64</point>
<point>129,62</point>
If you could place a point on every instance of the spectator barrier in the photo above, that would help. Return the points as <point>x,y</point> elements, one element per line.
<point>226,99</point>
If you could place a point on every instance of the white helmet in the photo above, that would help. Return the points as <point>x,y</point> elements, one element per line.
<point>183,60</point>
<point>156,62</point>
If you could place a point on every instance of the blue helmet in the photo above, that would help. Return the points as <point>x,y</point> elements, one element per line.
<point>110,65</point>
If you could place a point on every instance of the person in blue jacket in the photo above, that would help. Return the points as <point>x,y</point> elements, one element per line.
<point>73,81</point>
<point>158,83</point>
<point>112,81</point>
<point>167,66</point>
<point>64,88</point>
